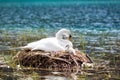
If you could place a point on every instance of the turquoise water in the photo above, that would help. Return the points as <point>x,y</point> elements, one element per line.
<point>95,28</point>
<point>99,24</point>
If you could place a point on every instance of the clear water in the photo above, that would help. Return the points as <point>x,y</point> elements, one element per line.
<point>95,27</point>
<point>99,24</point>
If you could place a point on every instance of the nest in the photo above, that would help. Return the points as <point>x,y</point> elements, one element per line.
<point>51,60</point>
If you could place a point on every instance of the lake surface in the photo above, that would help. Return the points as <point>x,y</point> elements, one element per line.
<point>95,27</point>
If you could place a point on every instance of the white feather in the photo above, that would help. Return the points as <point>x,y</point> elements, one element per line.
<point>52,44</point>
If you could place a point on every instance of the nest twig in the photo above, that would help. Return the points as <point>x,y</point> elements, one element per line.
<point>51,60</point>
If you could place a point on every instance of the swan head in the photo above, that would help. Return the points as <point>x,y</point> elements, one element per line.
<point>64,34</point>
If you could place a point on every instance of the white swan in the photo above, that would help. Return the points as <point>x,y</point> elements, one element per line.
<point>61,42</point>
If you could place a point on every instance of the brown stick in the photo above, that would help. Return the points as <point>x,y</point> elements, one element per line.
<point>74,61</point>
<point>56,58</point>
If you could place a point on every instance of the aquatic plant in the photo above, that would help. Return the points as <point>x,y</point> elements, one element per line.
<point>82,42</point>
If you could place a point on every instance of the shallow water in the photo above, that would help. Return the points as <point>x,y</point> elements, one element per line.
<point>99,24</point>
<point>95,29</point>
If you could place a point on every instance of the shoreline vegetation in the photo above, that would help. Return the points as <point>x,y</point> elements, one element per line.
<point>96,30</point>
<point>104,63</point>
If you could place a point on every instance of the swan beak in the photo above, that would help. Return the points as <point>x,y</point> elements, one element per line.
<point>70,38</point>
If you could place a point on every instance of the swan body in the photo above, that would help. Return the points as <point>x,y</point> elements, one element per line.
<point>57,43</point>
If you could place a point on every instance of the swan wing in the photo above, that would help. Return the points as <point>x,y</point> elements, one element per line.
<point>34,44</point>
<point>48,44</point>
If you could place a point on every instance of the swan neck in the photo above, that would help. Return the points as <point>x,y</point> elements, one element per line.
<point>58,35</point>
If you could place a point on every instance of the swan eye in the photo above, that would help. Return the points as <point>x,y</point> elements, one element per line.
<point>70,36</point>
